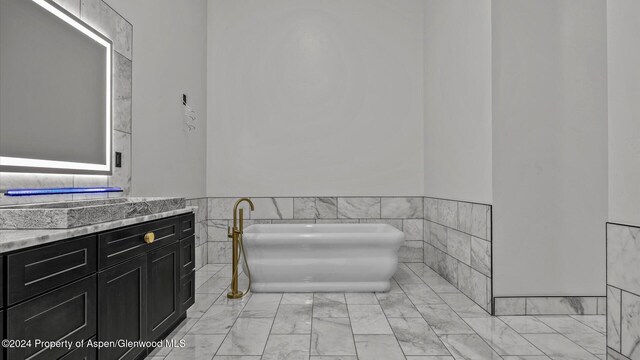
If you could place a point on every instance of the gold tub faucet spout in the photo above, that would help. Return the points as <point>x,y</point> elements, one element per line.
<point>235,234</point>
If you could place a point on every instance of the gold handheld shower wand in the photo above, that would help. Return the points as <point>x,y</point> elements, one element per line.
<point>235,234</point>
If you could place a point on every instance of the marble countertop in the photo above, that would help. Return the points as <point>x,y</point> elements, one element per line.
<point>11,240</point>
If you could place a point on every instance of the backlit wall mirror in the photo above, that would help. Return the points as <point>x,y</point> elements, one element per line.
<point>55,91</point>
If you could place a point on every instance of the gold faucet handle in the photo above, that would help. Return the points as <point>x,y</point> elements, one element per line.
<point>229,232</point>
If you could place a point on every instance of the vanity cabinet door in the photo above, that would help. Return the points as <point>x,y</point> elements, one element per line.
<point>122,304</point>
<point>163,287</point>
<point>187,255</point>
<point>67,313</point>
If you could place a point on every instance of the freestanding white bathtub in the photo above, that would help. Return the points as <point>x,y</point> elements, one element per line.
<point>322,257</point>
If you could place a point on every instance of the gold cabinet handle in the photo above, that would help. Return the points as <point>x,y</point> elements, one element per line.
<point>149,237</point>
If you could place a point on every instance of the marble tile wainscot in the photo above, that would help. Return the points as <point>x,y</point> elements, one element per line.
<point>457,245</point>
<point>623,291</point>
<point>404,213</point>
<point>99,15</point>
<point>550,305</point>
<point>202,240</point>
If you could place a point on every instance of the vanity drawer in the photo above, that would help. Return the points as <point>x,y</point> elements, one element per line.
<point>187,291</point>
<point>67,313</point>
<point>33,272</point>
<point>83,353</point>
<point>187,225</point>
<point>123,244</point>
<point>187,255</point>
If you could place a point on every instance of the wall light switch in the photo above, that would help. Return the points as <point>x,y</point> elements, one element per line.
<point>118,159</point>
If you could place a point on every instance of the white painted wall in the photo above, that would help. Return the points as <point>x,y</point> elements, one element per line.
<point>169,59</point>
<point>549,147</point>
<point>457,100</point>
<point>623,28</point>
<point>311,97</point>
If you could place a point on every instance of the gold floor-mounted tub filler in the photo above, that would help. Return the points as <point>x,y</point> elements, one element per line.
<point>235,234</point>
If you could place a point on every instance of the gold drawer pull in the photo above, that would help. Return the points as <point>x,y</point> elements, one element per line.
<point>149,237</point>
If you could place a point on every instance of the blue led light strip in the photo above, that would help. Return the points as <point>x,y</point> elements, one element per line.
<point>58,191</point>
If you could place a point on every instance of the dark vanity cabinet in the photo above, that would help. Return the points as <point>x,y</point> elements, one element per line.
<point>123,284</point>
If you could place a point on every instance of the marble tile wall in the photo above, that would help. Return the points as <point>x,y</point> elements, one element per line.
<point>457,245</point>
<point>623,291</point>
<point>404,213</point>
<point>201,231</point>
<point>550,305</point>
<point>103,18</point>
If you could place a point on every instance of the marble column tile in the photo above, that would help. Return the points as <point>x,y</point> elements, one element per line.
<point>248,336</point>
<point>503,339</point>
<point>315,208</point>
<point>378,347</point>
<point>469,347</point>
<point>447,267</point>
<point>630,325</point>
<point>196,347</point>
<point>262,305</point>
<point>332,336</point>
<point>527,325</point>
<point>368,319</point>
<point>416,337</point>
<point>121,177</point>
<point>481,255</point>
<point>561,305</point>
<point>421,294</point>
<point>431,209</point>
<point>361,299</point>
<point>219,252</point>
<point>411,251</point>
<point>623,257</point>
<point>293,319</point>
<point>412,229</point>
<point>459,245</point>
<point>19,180</point>
<point>448,213</point>
<point>426,230</point>
<point>201,232</point>
<point>510,306</point>
<point>402,208</point>
<point>272,208</point>
<point>397,305</point>
<point>217,320</point>
<point>557,346</point>
<point>443,319</point>
<point>121,93</point>
<point>614,298</point>
<point>464,279</point>
<point>359,208</point>
<point>481,290</point>
<point>107,21</point>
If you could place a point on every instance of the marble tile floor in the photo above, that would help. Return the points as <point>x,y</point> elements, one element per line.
<point>421,318</point>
